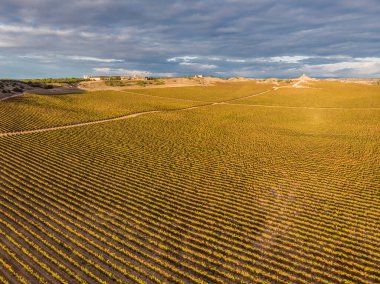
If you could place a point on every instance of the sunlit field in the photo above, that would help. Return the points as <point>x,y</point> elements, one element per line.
<point>322,94</point>
<point>232,183</point>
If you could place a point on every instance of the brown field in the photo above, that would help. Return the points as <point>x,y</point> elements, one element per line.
<point>235,182</point>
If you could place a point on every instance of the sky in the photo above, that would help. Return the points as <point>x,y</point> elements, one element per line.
<point>164,38</point>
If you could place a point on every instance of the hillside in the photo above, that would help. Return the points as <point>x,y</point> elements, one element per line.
<point>241,182</point>
<point>13,88</point>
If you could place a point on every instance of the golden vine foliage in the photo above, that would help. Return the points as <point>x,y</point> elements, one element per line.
<point>264,187</point>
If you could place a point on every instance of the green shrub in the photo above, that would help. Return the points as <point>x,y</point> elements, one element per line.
<point>56,80</point>
<point>114,83</point>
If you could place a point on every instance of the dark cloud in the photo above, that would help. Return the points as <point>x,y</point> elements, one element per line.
<point>230,37</point>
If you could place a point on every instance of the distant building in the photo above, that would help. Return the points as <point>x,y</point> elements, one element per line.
<point>124,78</point>
<point>198,76</point>
<point>136,77</point>
<point>92,78</point>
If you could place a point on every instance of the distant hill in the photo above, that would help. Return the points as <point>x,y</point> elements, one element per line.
<point>11,88</point>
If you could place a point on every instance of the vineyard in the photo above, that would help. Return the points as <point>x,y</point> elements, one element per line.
<point>232,183</point>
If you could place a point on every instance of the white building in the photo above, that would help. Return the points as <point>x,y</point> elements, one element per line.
<point>91,78</point>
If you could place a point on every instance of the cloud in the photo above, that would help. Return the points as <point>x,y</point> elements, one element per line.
<point>236,60</point>
<point>126,72</point>
<point>284,59</point>
<point>88,58</point>
<point>194,62</point>
<point>182,58</point>
<point>56,57</point>
<point>358,66</point>
<point>198,66</point>
<point>267,38</point>
<point>186,60</point>
<point>322,66</point>
<point>120,71</point>
<point>37,31</point>
<point>36,57</point>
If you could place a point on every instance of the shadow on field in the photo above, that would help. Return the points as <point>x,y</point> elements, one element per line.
<point>14,88</point>
<point>56,90</point>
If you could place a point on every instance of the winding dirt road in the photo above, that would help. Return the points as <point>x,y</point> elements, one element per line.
<point>11,96</point>
<point>205,103</point>
<point>228,102</point>
<point>196,101</point>
<point>7,134</point>
<point>76,124</point>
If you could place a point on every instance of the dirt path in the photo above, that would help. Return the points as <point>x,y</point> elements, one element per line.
<point>11,96</point>
<point>205,103</point>
<point>196,101</point>
<point>77,124</point>
<point>304,107</point>
<point>7,134</point>
<point>250,96</point>
<point>228,102</point>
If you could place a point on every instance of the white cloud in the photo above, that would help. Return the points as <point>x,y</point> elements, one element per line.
<point>55,57</point>
<point>283,59</point>
<point>336,57</point>
<point>369,59</point>
<point>236,60</point>
<point>188,59</point>
<point>274,59</point>
<point>194,62</point>
<point>182,59</point>
<point>127,72</point>
<point>120,71</point>
<point>87,58</point>
<point>338,65</point>
<point>199,65</point>
<point>40,58</point>
<point>206,66</point>
<point>26,34</point>
<point>34,30</point>
<point>362,66</point>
